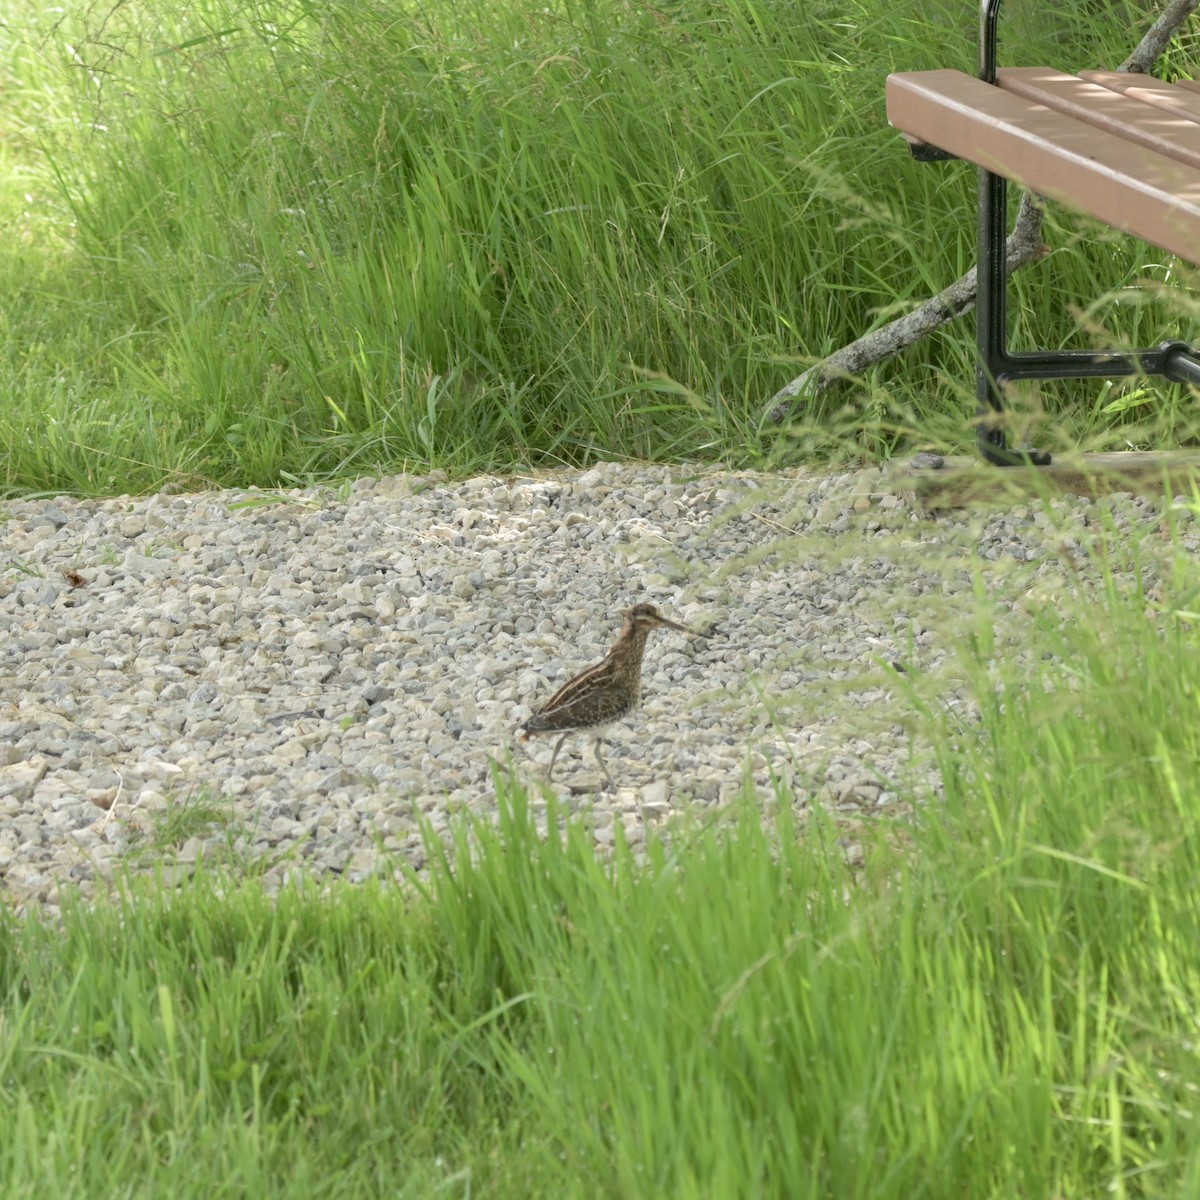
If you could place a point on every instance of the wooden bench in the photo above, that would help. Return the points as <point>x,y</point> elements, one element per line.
<point>1122,148</point>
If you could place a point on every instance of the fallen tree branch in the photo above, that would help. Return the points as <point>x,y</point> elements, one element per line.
<point>1150,49</point>
<point>1023,245</point>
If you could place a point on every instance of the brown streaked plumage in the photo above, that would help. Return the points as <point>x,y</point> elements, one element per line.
<point>604,692</point>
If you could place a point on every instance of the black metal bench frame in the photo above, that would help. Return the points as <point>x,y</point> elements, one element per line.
<point>997,364</point>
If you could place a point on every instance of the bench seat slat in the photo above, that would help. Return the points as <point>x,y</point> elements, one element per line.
<point>1117,181</point>
<point>1180,98</point>
<point>1164,130</point>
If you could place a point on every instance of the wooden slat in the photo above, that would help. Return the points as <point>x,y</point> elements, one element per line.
<point>1163,128</point>
<point>1125,185</point>
<point>1178,98</point>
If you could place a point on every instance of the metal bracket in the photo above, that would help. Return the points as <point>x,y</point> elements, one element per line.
<point>924,152</point>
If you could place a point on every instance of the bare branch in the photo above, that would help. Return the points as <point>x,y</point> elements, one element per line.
<point>1151,47</point>
<point>1024,245</point>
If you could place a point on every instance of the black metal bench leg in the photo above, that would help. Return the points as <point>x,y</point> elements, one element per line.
<point>991,313</point>
<point>991,309</point>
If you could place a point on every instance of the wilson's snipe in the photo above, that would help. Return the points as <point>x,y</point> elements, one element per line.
<point>605,692</point>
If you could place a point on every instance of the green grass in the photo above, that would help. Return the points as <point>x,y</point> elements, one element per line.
<point>262,241</point>
<point>999,1001</point>
<point>209,821</point>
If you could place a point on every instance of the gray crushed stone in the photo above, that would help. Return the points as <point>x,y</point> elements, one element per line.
<point>297,681</point>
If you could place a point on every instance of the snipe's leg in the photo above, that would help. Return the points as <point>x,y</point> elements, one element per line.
<point>612,783</point>
<point>557,748</point>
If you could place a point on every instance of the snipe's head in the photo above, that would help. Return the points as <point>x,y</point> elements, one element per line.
<point>644,617</point>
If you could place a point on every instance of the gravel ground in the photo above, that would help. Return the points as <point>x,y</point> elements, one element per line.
<point>295,681</point>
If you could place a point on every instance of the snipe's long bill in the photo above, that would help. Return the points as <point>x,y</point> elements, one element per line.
<point>605,692</point>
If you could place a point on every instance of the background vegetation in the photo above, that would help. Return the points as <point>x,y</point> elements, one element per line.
<point>267,241</point>
<point>278,241</point>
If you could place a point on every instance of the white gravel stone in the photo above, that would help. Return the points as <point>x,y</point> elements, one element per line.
<point>327,670</point>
